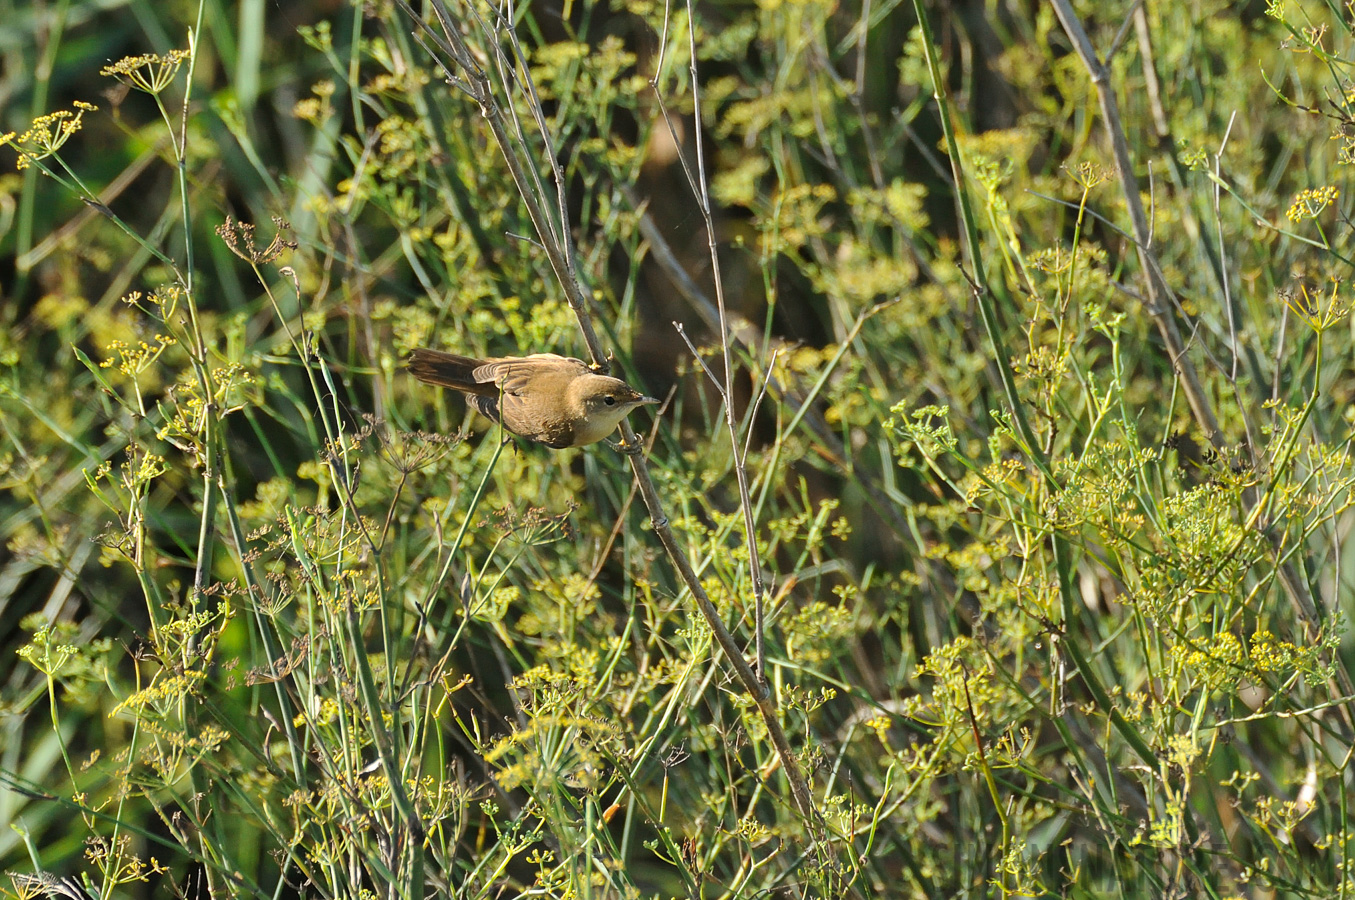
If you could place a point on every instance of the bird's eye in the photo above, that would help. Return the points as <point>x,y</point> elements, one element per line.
<point>609,400</point>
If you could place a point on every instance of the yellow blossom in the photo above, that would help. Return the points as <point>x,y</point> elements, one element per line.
<point>47,133</point>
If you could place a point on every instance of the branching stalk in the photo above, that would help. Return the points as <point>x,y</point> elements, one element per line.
<point>472,79</point>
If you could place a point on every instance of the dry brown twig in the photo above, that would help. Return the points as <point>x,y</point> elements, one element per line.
<point>1161,301</point>
<point>473,80</point>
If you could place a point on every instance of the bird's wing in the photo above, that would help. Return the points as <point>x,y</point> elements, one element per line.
<point>510,374</point>
<point>522,414</point>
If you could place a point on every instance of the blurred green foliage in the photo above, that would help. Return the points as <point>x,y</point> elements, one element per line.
<point>274,608</point>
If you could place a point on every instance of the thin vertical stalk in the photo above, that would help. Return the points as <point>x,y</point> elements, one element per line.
<point>475,83</point>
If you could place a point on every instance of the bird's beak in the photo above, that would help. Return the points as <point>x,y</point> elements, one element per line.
<point>643,400</point>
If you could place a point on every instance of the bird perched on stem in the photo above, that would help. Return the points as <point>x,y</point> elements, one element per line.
<point>556,400</point>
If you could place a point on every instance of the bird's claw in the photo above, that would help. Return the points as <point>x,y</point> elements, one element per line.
<point>632,449</point>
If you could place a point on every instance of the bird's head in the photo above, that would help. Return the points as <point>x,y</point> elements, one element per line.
<point>602,402</point>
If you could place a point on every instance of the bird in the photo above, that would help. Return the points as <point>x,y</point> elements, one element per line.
<point>555,400</point>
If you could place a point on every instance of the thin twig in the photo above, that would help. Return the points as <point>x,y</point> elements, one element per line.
<point>477,85</point>
<point>700,187</point>
<point>1160,295</point>
<point>1295,585</point>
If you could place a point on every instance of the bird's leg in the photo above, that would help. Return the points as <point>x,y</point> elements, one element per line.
<point>629,449</point>
<point>606,367</point>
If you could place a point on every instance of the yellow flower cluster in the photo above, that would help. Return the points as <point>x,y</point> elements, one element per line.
<point>150,72</point>
<point>46,134</point>
<point>1311,202</point>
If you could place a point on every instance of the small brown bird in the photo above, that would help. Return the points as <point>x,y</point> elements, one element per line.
<point>556,400</point>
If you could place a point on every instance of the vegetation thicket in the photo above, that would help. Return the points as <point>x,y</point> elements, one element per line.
<point>990,540</point>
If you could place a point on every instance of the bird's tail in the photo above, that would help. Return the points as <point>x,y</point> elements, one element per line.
<point>448,370</point>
